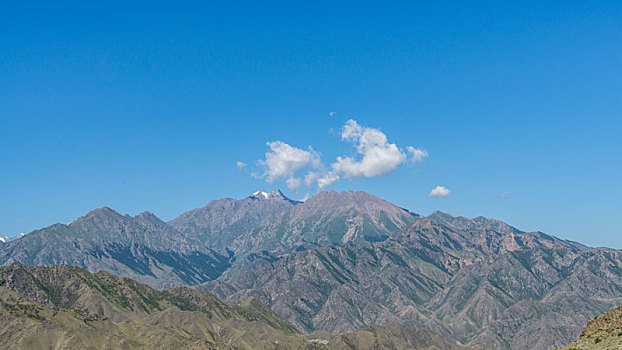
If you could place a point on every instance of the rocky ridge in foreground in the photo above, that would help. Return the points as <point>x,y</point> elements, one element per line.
<point>604,332</point>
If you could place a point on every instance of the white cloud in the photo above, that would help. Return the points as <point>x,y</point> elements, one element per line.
<point>352,130</point>
<point>240,165</point>
<point>293,183</point>
<point>377,156</point>
<point>440,191</point>
<point>417,155</point>
<point>283,160</point>
<point>327,179</point>
<point>332,114</point>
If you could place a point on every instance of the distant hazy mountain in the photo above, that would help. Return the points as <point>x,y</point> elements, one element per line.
<point>65,307</point>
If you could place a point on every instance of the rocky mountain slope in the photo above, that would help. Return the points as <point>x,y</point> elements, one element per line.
<point>222,221</point>
<point>476,281</point>
<point>65,307</point>
<point>396,336</point>
<point>328,218</point>
<point>201,244</point>
<point>603,333</point>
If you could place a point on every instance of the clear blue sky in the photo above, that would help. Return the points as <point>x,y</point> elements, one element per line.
<point>150,106</point>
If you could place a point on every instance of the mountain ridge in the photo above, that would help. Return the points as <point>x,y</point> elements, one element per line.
<point>231,217</point>
<point>330,218</point>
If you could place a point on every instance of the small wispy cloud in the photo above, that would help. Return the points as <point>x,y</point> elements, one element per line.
<point>505,194</point>
<point>440,191</point>
<point>332,114</point>
<point>327,179</point>
<point>417,155</point>
<point>240,165</point>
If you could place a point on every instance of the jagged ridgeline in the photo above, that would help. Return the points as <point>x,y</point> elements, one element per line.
<point>142,247</point>
<point>65,307</point>
<point>344,262</point>
<point>198,246</point>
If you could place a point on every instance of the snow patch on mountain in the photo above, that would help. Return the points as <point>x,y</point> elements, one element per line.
<point>261,194</point>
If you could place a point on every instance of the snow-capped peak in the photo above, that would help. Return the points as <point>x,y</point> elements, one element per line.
<point>3,239</point>
<point>261,194</point>
<point>265,195</point>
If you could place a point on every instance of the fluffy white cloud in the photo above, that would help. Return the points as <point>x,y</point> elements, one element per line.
<point>352,130</point>
<point>377,156</point>
<point>440,191</point>
<point>240,165</point>
<point>327,179</point>
<point>283,160</point>
<point>417,155</point>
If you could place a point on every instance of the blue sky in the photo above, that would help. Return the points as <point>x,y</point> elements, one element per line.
<point>150,106</point>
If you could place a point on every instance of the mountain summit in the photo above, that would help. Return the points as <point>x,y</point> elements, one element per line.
<point>329,218</point>
<point>266,195</point>
<point>220,222</point>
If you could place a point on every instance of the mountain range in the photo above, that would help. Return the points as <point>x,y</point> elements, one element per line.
<point>344,262</point>
<point>65,307</point>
